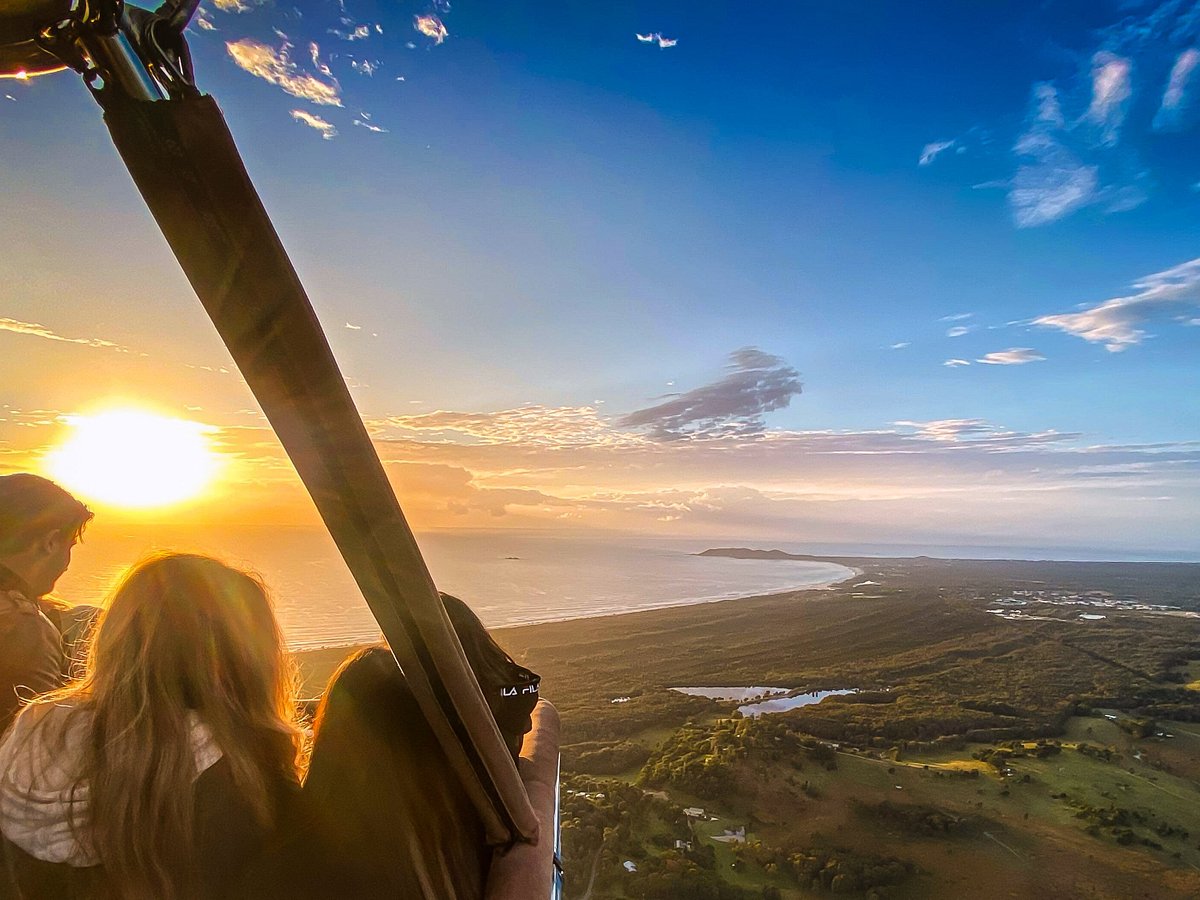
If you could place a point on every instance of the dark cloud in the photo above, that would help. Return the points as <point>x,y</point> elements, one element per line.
<point>732,406</point>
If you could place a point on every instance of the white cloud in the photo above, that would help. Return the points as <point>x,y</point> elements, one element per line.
<point>314,51</point>
<point>1117,323</point>
<point>276,67</point>
<point>1015,356</point>
<point>1052,182</point>
<point>958,331</point>
<point>899,345</point>
<point>327,129</point>
<point>233,6</point>
<point>370,126</point>
<point>364,66</point>
<point>1175,97</point>
<point>656,38</point>
<point>956,363</point>
<point>956,317</point>
<point>360,33</point>
<point>932,151</point>
<point>951,429</point>
<point>431,27</point>
<point>33,329</point>
<point>1111,90</point>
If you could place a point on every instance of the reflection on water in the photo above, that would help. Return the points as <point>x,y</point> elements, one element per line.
<point>509,579</point>
<point>783,704</point>
<point>739,694</point>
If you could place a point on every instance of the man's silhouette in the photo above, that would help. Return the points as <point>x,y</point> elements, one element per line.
<point>39,524</point>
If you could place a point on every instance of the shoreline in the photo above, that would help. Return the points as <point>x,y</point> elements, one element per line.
<point>853,572</point>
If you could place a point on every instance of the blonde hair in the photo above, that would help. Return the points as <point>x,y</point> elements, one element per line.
<point>183,636</point>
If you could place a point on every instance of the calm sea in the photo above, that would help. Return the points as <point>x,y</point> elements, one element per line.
<point>507,579</point>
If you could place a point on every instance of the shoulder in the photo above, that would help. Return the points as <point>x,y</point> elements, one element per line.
<point>22,617</point>
<point>15,605</point>
<point>43,745</point>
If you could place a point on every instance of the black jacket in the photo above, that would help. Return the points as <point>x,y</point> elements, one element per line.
<point>234,856</point>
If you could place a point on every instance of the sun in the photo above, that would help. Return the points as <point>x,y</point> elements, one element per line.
<point>135,459</point>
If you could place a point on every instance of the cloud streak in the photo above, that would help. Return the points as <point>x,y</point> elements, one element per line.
<point>656,38</point>
<point>1015,356</point>
<point>1052,181</point>
<point>933,150</point>
<point>33,329</point>
<point>327,129</point>
<point>734,405</point>
<point>1111,90</point>
<point>276,67</point>
<point>1174,104</point>
<point>1118,323</point>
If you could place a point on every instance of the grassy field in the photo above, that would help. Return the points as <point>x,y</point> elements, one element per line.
<point>944,681</point>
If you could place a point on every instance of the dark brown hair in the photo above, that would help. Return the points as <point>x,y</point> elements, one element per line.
<point>31,506</point>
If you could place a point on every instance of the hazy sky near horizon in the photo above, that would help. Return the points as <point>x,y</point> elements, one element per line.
<point>865,272</point>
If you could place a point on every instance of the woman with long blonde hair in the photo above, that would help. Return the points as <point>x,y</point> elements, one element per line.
<point>165,771</point>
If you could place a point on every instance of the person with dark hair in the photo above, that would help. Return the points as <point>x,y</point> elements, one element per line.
<point>39,524</point>
<point>167,770</point>
<point>389,817</point>
<point>511,690</point>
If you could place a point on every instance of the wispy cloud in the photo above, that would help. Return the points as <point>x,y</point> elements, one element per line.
<point>951,429</point>
<point>1117,323</point>
<point>276,67</point>
<point>33,329</point>
<point>656,38</point>
<point>956,363</point>
<point>900,345</point>
<point>314,51</point>
<point>359,33</point>
<point>327,129</point>
<point>235,6</point>
<point>1111,90</point>
<point>534,425</point>
<point>1175,100</point>
<point>1051,182</point>
<point>370,126</point>
<point>933,150</point>
<point>1015,356</point>
<point>758,383</point>
<point>956,317</point>
<point>958,331</point>
<point>431,26</point>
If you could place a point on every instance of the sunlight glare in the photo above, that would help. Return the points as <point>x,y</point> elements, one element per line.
<point>135,459</point>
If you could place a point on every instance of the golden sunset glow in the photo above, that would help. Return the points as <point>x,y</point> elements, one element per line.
<point>135,459</point>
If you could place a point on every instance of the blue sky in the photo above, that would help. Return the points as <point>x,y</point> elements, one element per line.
<point>548,212</point>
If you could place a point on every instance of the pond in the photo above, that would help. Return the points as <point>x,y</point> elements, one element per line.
<point>783,704</point>
<point>738,694</point>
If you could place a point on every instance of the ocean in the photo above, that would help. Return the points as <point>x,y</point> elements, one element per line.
<point>509,579</point>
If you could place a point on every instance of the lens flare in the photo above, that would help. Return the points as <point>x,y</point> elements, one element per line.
<point>135,459</point>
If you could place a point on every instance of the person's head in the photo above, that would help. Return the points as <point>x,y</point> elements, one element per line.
<point>183,638</point>
<point>386,804</point>
<point>511,690</point>
<point>39,524</point>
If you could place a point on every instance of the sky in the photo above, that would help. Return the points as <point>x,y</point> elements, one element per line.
<point>833,272</point>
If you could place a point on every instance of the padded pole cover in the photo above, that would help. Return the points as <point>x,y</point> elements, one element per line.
<point>183,159</point>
